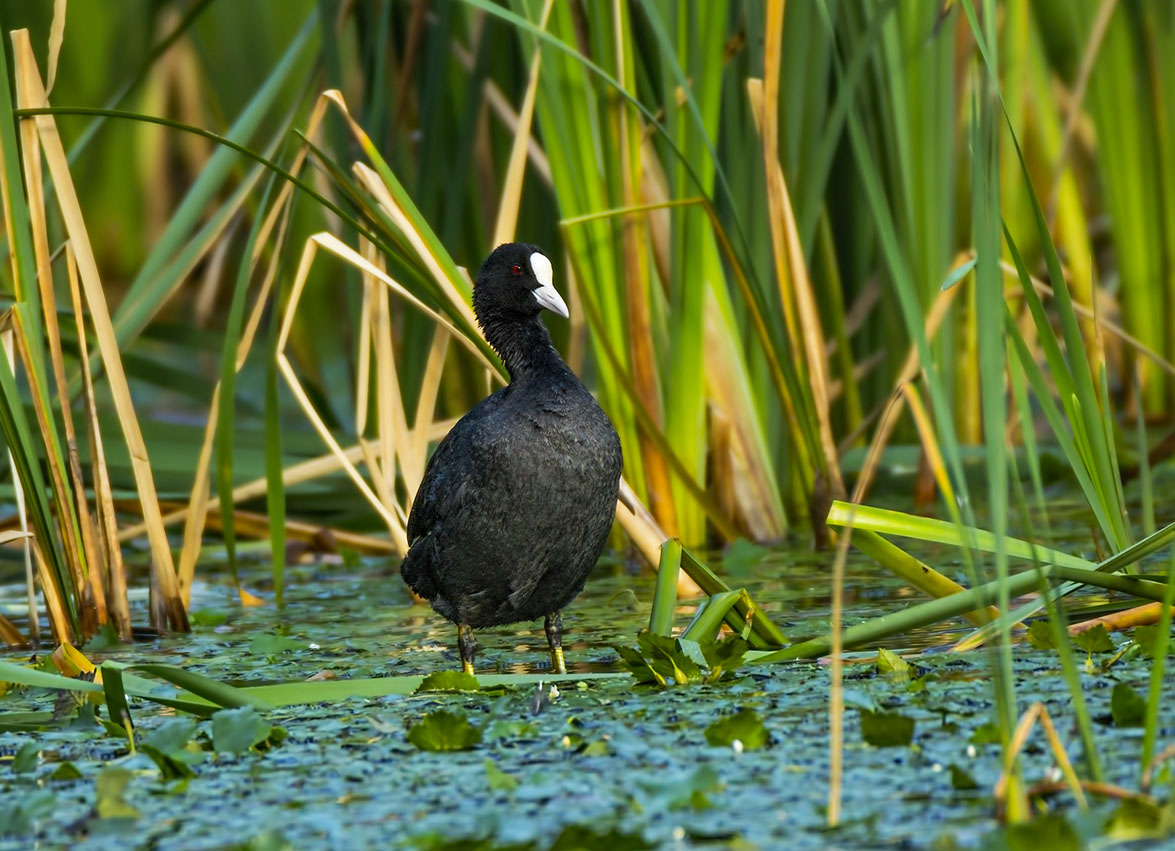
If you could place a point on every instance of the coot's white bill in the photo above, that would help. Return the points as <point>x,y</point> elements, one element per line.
<point>546,294</point>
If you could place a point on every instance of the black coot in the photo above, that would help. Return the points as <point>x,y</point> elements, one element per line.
<point>517,500</point>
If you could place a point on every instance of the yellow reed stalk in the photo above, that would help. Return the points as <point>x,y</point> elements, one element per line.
<point>790,265</point>
<point>1028,720</point>
<point>92,593</point>
<point>103,493</point>
<point>412,459</point>
<point>170,608</point>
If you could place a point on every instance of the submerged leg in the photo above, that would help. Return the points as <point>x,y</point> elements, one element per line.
<point>467,645</point>
<point>554,627</point>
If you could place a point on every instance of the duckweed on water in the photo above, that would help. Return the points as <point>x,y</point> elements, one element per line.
<point>631,765</point>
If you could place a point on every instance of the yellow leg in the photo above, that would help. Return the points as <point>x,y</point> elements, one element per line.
<point>467,645</point>
<point>553,626</point>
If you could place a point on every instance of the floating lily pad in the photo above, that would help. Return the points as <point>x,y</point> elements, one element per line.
<point>745,726</point>
<point>448,681</point>
<point>110,794</point>
<point>1096,640</point>
<point>239,730</point>
<point>961,779</point>
<point>886,729</point>
<point>27,758</point>
<point>499,780</point>
<point>444,731</point>
<point>893,665</point>
<point>1127,707</point>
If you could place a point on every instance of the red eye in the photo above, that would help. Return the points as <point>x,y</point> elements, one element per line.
<point>517,270</point>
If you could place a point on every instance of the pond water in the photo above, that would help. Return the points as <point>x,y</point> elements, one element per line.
<point>605,753</point>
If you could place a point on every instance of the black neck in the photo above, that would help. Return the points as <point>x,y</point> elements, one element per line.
<point>523,344</point>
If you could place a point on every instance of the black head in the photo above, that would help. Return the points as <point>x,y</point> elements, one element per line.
<point>515,283</point>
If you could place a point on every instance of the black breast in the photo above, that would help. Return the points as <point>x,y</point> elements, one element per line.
<point>518,499</point>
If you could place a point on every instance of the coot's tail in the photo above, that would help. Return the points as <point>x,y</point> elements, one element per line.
<point>416,568</point>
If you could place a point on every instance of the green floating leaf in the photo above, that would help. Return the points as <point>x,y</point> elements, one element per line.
<point>886,729</point>
<point>665,661</point>
<point>744,726</point>
<point>1138,818</point>
<point>268,644</point>
<point>1096,640</point>
<point>444,731</point>
<point>239,730</point>
<point>724,657</point>
<point>690,791</point>
<point>575,837</point>
<point>1148,638</point>
<point>893,665</point>
<point>207,617</point>
<point>1040,636</point>
<point>986,734</point>
<point>27,758</point>
<point>1127,707</point>
<point>961,779</point>
<point>110,794</point>
<point>498,779</point>
<point>512,729</point>
<point>66,771</point>
<point>448,681</point>
<point>169,748</point>
<point>1050,831</point>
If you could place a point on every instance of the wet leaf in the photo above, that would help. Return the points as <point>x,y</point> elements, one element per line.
<point>110,795</point>
<point>499,780</point>
<point>986,734</point>
<point>724,657</point>
<point>1096,640</point>
<point>893,665</point>
<point>597,748</point>
<point>238,730</point>
<point>1147,637</point>
<point>268,644</point>
<point>744,726</point>
<point>691,790</point>
<point>172,736</point>
<point>512,729</point>
<point>207,617</point>
<point>1050,831</point>
<point>27,758</point>
<point>666,658</point>
<point>886,729</point>
<point>961,779</point>
<point>668,661</point>
<point>66,771</point>
<point>444,731</point>
<point>1127,707</point>
<point>168,746</point>
<point>448,681</point>
<point>1138,818</point>
<point>1040,635</point>
<point>577,837</point>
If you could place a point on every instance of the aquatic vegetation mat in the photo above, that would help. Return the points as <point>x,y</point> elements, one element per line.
<point>530,761</point>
